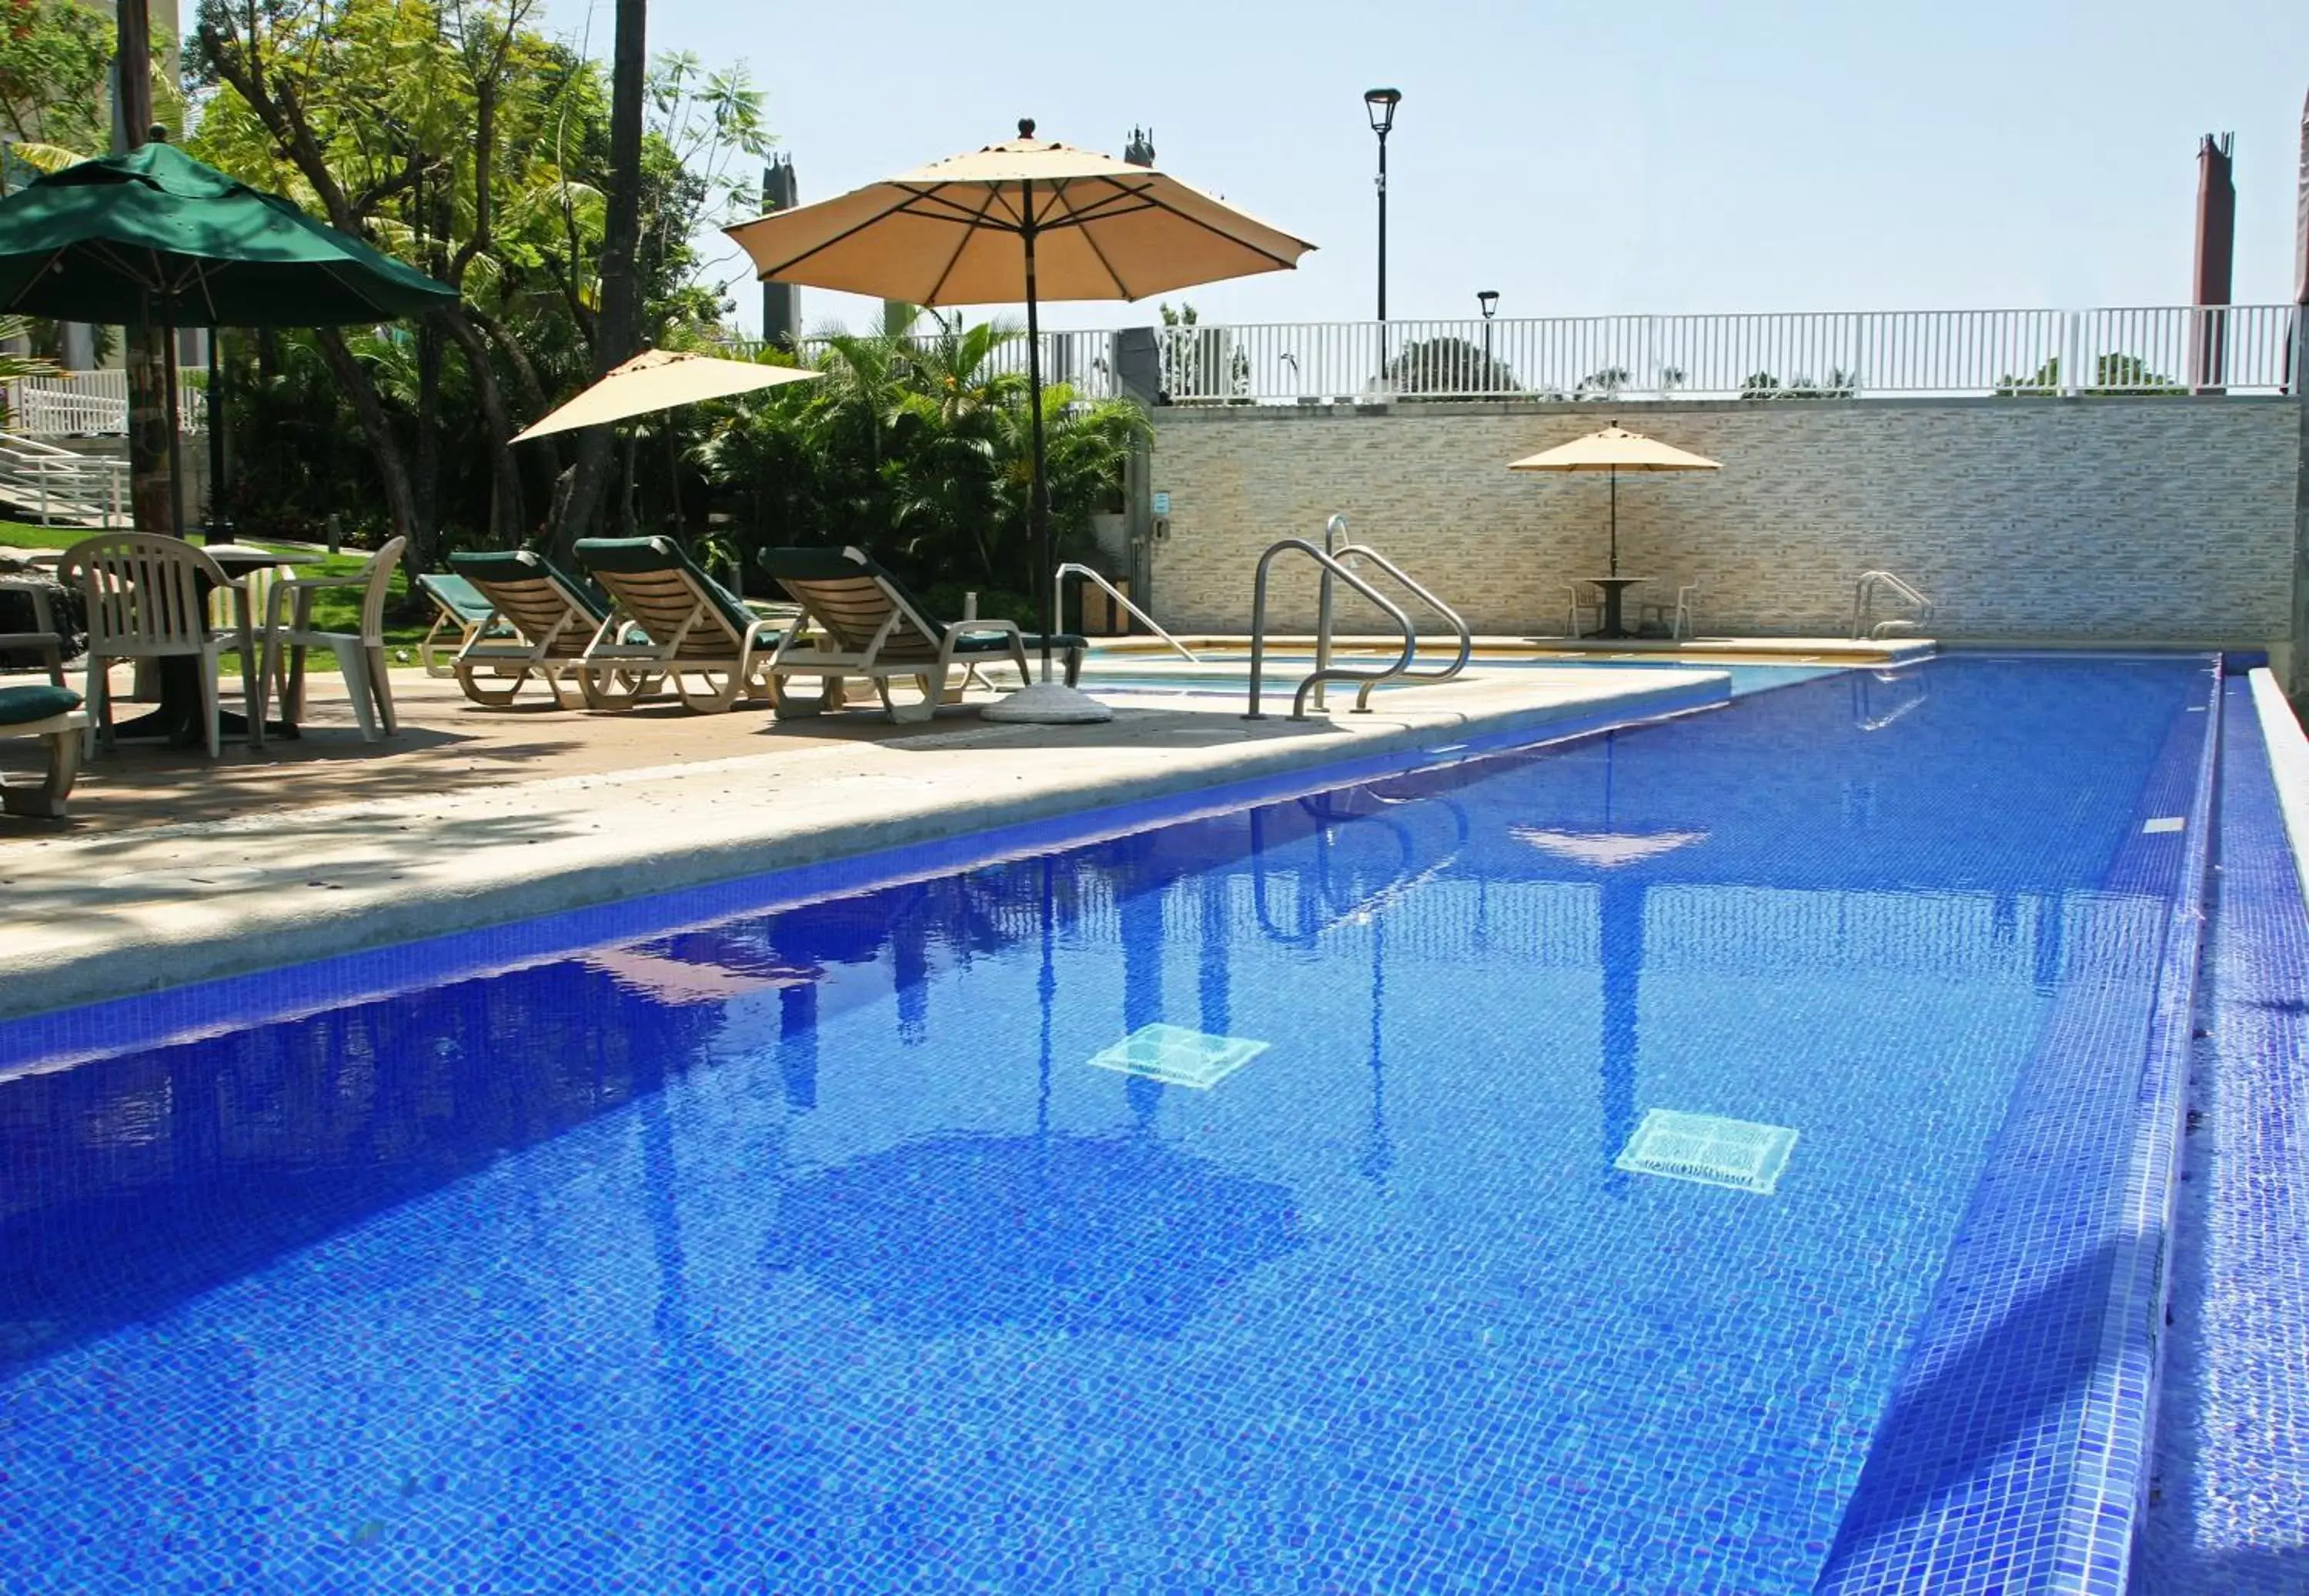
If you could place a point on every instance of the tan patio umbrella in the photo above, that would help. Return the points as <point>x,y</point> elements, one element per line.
<point>1615,449</point>
<point>1026,219</point>
<point>659,380</point>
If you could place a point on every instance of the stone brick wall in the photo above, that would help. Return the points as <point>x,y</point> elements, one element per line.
<point>2112,520</point>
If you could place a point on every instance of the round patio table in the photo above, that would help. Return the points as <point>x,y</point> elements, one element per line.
<point>177,720</point>
<point>1614,588</point>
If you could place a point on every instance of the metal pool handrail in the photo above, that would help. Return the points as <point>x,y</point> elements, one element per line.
<point>1070,569</point>
<point>1458,623</point>
<point>1864,595</point>
<point>1323,671</point>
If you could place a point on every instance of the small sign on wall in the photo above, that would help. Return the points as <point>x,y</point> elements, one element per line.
<point>1162,504</point>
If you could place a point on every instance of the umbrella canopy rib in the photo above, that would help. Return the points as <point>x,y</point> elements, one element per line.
<point>961,245</point>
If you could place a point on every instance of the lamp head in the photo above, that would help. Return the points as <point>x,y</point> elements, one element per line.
<point>1489,298</point>
<point>1382,104</point>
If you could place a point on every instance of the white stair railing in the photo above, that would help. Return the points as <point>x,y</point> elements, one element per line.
<point>54,484</point>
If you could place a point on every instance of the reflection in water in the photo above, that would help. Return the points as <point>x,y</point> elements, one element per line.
<point>1059,1233</point>
<point>1622,950</point>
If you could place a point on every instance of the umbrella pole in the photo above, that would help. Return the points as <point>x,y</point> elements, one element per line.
<point>1615,521</point>
<point>176,435</point>
<point>1038,511</point>
<point>1045,702</point>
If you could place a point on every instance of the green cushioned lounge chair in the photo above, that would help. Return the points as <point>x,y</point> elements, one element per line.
<point>459,612</point>
<point>541,619</point>
<point>863,623</point>
<point>669,619</point>
<point>53,714</point>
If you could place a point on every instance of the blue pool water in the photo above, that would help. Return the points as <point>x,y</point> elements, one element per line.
<point>810,1249</point>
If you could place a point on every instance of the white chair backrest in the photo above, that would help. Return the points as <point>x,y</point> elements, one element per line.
<point>143,592</point>
<point>379,572</point>
<point>224,608</point>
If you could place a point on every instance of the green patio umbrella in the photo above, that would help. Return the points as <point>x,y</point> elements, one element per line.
<point>153,237</point>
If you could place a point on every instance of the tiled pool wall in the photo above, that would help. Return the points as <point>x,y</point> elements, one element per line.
<point>2015,1453</point>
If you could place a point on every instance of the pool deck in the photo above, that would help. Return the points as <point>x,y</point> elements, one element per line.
<point>177,870</point>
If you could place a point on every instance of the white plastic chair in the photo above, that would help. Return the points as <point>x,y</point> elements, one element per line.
<point>360,657</point>
<point>1676,616</point>
<point>1586,598</point>
<point>147,599</point>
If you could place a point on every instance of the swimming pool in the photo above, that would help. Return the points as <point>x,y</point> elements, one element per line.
<point>848,1246</point>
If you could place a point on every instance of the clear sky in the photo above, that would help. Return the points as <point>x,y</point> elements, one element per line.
<point>1589,158</point>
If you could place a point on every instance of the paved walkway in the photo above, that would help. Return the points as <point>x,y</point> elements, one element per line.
<point>183,871</point>
<point>2230,1515</point>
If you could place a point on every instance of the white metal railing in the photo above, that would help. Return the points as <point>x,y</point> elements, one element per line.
<point>2242,348</point>
<point>52,484</point>
<point>85,403</point>
<point>1120,597</point>
<point>1807,355</point>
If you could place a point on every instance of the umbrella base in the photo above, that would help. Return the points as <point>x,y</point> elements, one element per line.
<point>1047,703</point>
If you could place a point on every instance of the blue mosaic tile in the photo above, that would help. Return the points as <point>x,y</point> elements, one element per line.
<point>791,1245</point>
<point>2014,1454</point>
<point>2231,1513</point>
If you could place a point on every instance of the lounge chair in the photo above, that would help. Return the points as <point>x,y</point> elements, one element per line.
<point>44,639</point>
<point>869,625</point>
<point>669,619</point>
<point>53,713</point>
<point>541,619</point>
<point>459,608</point>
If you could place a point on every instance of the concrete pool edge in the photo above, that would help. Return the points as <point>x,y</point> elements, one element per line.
<point>168,940</point>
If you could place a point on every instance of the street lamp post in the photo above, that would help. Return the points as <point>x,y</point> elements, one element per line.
<point>1488,300</point>
<point>1381,103</point>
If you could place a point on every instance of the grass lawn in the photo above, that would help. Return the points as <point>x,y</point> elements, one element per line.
<point>334,611</point>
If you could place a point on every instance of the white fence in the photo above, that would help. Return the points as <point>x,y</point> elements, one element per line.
<point>91,403</point>
<point>1811,355</point>
<point>2243,348</point>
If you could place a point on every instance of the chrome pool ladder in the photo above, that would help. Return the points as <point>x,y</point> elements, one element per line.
<point>1864,606</point>
<point>1335,558</point>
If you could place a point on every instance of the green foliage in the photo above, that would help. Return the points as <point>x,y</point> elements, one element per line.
<point>1448,366</point>
<point>459,136</point>
<point>2113,374</point>
<point>1835,384</point>
<point>56,57</point>
<point>920,450</point>
<point>1199,362</point>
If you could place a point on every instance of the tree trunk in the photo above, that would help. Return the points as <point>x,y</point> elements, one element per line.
<point>151,485</point>
<point>618,337</point>
<point>511,524</point>
<point>425,482</point>
<point>392,466</point>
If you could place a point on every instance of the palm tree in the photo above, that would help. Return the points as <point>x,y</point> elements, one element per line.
<point>617,336</point>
